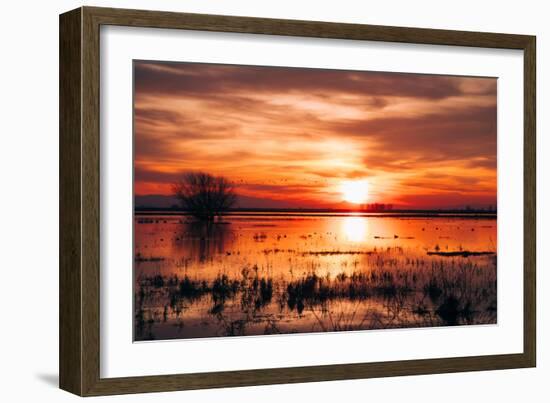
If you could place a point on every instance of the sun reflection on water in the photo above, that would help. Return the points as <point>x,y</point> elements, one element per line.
<point>355,228</point>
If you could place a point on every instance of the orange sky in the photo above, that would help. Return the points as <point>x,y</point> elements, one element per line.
<point>289,137</point>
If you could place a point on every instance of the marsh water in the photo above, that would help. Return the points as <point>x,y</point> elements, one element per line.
<point>271,273</point>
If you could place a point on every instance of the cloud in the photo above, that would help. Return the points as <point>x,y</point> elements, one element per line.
<point>197,79</point>
<point>468,133</point>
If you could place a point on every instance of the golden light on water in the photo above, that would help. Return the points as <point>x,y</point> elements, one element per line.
<point>355,228</point>
<point>356,191</point>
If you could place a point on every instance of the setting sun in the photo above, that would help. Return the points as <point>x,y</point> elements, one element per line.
<point>356,192</point>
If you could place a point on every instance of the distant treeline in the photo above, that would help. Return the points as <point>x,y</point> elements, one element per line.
<point>376,207</point>
<point>259,211</point>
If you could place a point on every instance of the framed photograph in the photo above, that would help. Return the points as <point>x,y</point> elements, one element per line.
<point>251,201</point>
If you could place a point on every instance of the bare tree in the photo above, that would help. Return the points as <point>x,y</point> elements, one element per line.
<point>204,195</point>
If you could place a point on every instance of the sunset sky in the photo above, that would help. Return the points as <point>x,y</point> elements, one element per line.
<point>299,138</point>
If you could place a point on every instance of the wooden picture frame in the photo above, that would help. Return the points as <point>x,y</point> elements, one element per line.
<point>80,185</point>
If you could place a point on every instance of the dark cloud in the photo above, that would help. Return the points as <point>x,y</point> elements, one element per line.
<point>404,142</point>
<point>152,116</point>
<point>196,79</point>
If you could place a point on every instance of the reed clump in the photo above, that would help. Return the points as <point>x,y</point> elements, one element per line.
<point>406,292</point>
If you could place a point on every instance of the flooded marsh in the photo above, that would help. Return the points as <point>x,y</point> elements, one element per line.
<point>254,274</point>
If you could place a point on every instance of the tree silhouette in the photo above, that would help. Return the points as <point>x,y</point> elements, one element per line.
<point>205,196</point>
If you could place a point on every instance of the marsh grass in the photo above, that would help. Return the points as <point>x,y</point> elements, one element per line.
<point>387,290</point>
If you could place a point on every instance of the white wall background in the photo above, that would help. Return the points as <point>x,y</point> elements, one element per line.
<point>29,198</point>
